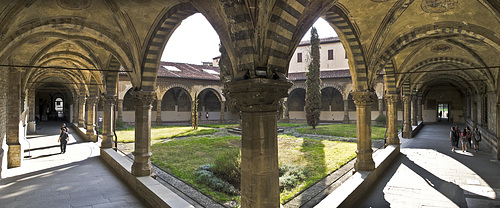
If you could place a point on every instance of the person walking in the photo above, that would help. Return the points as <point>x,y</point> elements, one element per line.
<point>476,138</point>
<point>464,141</point>
<point>453,139</point>
<point>469,137</point>
<point>63,138</point>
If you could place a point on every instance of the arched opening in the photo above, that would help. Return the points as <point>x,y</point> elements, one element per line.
<point>332,105</point>
<point>209,105</point>
<point>176,105</point>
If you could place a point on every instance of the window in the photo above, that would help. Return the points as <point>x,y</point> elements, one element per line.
<point>299,57</point>
<point>330,54</point>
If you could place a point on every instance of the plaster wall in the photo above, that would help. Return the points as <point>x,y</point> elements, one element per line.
<point>339,61</point>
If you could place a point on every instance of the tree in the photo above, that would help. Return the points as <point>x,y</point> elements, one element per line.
<point>194,110</point>
<point>313,82</point>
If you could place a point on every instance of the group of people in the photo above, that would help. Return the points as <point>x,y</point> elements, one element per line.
<point>466,137</point>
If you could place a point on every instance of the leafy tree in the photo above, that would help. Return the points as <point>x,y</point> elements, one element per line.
<point>194,114</point>
<point>313,82</point>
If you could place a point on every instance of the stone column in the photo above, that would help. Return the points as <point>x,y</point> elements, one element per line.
<point>392,119</point>
<point>406,118</point>
<point>120,109</point>
<point>142,152</point>
<point>14,152</point>
<point>474,111</point>
<point>108,118</point>
<point>419,109</point>
<point>31,105</point>
<point>346,111</point>
<point>81,110</point>
<point>75,111</point>
<point>381,106</point>
<point>222,105</point>
<point>414,110</point>
<point>158,113</point>
<point>363,101</point>
<point>91,103</point>
<point>258,100</point>
<point>287,111</point>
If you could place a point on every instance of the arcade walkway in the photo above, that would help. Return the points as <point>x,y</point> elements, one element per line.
<point>429,174</point>
<point>78,178</point>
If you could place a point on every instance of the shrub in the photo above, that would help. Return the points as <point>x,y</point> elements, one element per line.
<point>209,179</point>
<point>119,124</point>
<point>380,120</point>
<point>290,176</point>
<point>228,166</point>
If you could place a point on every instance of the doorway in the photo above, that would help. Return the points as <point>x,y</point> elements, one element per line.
<point>443,112</point>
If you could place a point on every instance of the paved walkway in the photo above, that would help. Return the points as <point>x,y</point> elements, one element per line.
<point>78,178</point>
<point>429,174</point>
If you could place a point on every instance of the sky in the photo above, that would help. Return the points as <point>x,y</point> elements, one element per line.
<point>195,41</point>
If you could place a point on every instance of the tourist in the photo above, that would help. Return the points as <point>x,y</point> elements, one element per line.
<point>464,141</point>
<point>206,116</point>
<point>469,137</point>
<point>476,138</point>
<point>63,138</point>
<point>453,139</point>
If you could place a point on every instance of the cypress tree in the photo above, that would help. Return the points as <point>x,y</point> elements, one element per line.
<point>313,82</point>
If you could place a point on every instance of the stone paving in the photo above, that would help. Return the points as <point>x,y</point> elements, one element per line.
<point>429,174</point>
<point>78,178</point>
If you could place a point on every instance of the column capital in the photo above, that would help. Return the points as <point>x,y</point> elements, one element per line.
<point>109,99</point>
<point>259,94</point>
<point>92,100</point>
<point>143,97</point>
<point>363,97</point>
<point>393,98</point>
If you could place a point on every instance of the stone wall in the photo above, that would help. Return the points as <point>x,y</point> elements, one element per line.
<point>3,119</point>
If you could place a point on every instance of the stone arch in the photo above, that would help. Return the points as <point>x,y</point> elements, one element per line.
<point>157,39</point>
<point>71,29</point>
<point>332,99</point>
<point>210,100</point>
<point>184,87</point>
<point>333,85</point>
<point>217,90</point>
<point>296,99</point>
<point>296,86</point>
<point>179,96</point>
<point>348,33</point>
<point>442,29</point>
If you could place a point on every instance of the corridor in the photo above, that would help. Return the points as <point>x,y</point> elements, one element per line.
<point>429,174</point>
<point>78,178</point>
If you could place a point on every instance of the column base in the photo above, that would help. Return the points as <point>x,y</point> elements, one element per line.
<point>406,134</point>
<point>14,156</point>
<point>364,161</point>
<point>141,169</point>
<point>107,141</point>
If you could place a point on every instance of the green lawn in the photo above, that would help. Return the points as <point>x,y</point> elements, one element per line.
<point>316,157</point>
<point>164,132</point>
<point>342,130</point>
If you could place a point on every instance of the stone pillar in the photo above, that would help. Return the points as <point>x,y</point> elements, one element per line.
<point>120,109</point>
<point>91,103</point>
<point>381,106</point>
<point>474,111</point>
<point>14,152</point>
<point>392,119</point>
<point>258,100</point>
<point>81,110</point>
<point>419,109</point>
<point>414,110</point>
<point>108,120</point>
<point>142,152</point>
<point>406,118</point>
<point>222,104</point>
<point>158,113</point>
<point>31,105</point>
<point>75,111</point>
<point>346,111</point>
<point>287,111</point>
<point>363,101</point>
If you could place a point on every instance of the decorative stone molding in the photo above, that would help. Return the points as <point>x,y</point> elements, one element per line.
<point>259,94</point>
<point>143,98</point>
<point>364,98</point>
<point>438,6</point>
<point>74,4</point>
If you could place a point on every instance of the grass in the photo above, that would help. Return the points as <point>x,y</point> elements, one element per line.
<point>173,157</point>
<point>341,130</point>
<point>220,126</point>
<point>163,132</point>
<point>316,157</point>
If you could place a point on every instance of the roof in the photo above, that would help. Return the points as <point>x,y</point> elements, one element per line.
<point>343,73</point>
<point>321,41</point>
<point>188,71</point>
